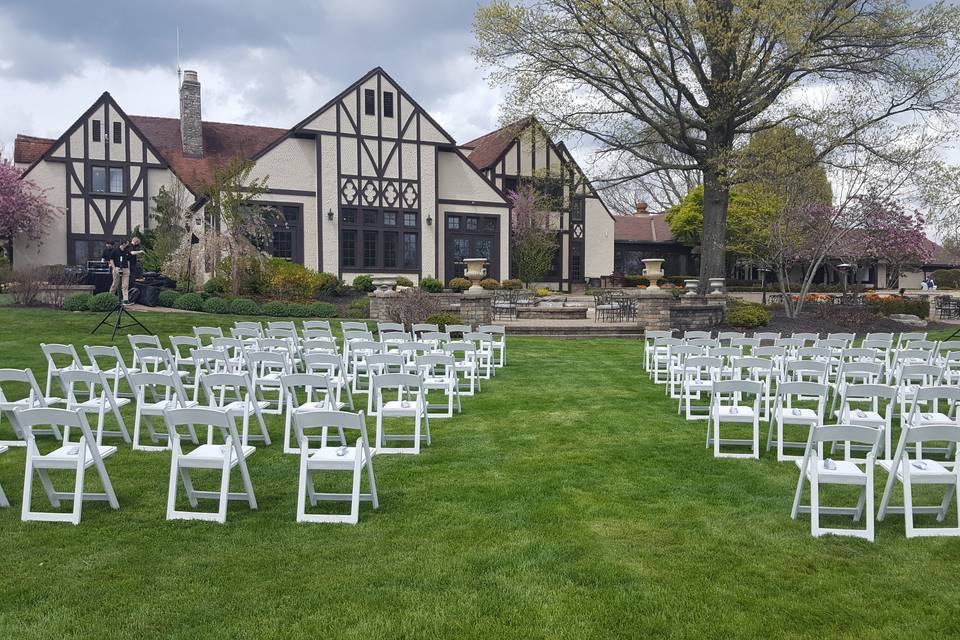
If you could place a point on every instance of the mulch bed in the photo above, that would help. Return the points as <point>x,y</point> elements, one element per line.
<point>838,322</point>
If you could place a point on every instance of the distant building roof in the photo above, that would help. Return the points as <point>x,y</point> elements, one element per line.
<point>642,226</point>
<point>27,149</point>
<point>484,151</point>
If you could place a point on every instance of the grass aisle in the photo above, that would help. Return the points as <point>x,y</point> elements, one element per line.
<point>569,501</point>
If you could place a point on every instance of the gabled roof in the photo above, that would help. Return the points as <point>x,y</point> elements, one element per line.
<point>487,150</point>
<point>647,227</point>
<point>222,142</point>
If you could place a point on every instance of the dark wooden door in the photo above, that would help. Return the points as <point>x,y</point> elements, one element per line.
<point>471,235</point>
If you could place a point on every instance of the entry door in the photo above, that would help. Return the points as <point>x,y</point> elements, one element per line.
<point>471,236</point>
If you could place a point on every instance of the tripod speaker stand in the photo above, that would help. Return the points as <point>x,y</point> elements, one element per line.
<point>118,314</point>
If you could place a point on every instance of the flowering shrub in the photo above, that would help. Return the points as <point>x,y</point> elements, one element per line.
<point>489,284</point>
<point>512,283</point>
<point>459,285</point>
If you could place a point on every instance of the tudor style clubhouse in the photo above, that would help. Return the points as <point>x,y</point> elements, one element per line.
<point>369,183</point>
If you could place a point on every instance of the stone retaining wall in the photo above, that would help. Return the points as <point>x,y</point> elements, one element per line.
<point>660,312</point>
<point>472,308</point>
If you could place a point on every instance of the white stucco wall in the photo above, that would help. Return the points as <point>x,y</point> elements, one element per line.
<point>292,164</point>
<point>598,243</point>
<point>53,249</point>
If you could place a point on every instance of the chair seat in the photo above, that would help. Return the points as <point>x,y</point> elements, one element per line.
<point>327,457</point>
<point>934,470</point>
<point>159,407</point>
<point>94,404</point>
<point>858,416</point>
<point>932,417</point>
<point>396,408</point>
<point>799,416</point>
<point>237,407</point>
<point>735,414</point>
<point>845,470</point>
<point>67,455</point>
<point>214,455</point>
<point>269,378</point>
<point>320,406</point>
<point>116,370</point>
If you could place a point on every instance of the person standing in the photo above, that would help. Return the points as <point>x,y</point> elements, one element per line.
<point>108,255</point>
<point>133,254</point>
<point>121,278</point>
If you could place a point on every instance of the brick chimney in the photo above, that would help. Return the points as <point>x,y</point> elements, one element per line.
<point>191,128</point>
<point>641,208</point>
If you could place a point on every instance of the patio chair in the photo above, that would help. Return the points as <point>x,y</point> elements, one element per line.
<point>210,455</point>
<point>233,394</point>
<point>439,372</point>
<point>870,405</point>
<point>60,357</point>
<point>77,455</point>
<point>96,398</point>
<point>319,395</point>
<point>12,400</point>
<point>331,365</point>
<point>817,471</point>
<point>266,368</point>
<point>498,334</point>
<point>356,459</point>
<point>697,378</point>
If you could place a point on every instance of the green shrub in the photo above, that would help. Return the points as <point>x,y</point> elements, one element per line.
<point>459,285</point>
<point>443,319</point>
<point>168,297</point>
<point>363,283</point>
<point>244,307</point>
<point>297,310</point>
<point>946,278</point>
<point>404,282</point>
<point>543,292</point>
<point>431,285</point>
<point>512,283</point>
<point>292,282</point>
<point>216,286</point>
<point>323,310</point>
<point>889,306</point>
<point>748,316</point>
<point>105,301</point>
<point>216,305</point>
<point>275,308</point>
<point>78,302</point>
<point>359,308</point>
<point>635,280</point>
<point>329,284</point>
<point>489,284</point>
<point>189,302</point>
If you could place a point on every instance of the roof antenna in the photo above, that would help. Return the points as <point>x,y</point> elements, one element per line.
<point>178,58</point>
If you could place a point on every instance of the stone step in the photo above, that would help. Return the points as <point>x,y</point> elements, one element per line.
<point>573,332</point>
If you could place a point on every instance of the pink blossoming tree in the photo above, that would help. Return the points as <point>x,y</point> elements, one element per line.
<point>24,209</point>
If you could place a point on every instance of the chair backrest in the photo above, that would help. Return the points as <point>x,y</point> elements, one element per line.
<point>682,351</point>
<point>427,364</point>
<point>394,337</point>
<point>153,359</point>
<point>319,345</point>
<point>493,329</point>
<point>245,333</point>
<point>317,333</point>
<point>362,348</point>
<point>167,380</point>
<point>208,360</point>
<point>435,337</point>
<point>865,370</point>
<point>854,433</point>
<point>767,336</point>
<point>920,374</point>
<point>904,356</point>
<point>790,343</point>
<point>111,353</point>
<point>400,381</point>
<point>650,335</point>
<point>219,421</point>
<point>756,368</point>
<point>314,325</point>
<point>691,335</point>
<point>66,419</point>
<point>926,345</point>
<point>381,363</point>
<point>666,341</point>
<point>847,337</point>
<point>12,392</point>
<point>906,337</point>
<point>835,344</point>
<point>325,363</point>
<point>877,343</point>
<point>806,370</point>
<point>458,328</point>
<point>806,337</point>
<point>282,332</point>
<point>282,324</point>
<point>206,334</point>
<point>236,384</point>
<point>736,388</point>
<point>279,345</point>
<point>57,353</point>
<point>307,422</point>
<point>752,343</point>
<point>773,353</point>
<point>460,350</point>
<point>183,346</point>
<point>383,327</point>
<point>868,392</point>
<point>89,381</point>
<point>249,325</point>
<point>709,343</point>
<point>293,382</point>
<point>354,335</point>
<point>795,390</point>
<point>424,327</point>
<point>144,341</point>
<point>702,367</point>
<point>814,353</point>
<point>859,354</point>
<point>948,346</point>
<point>353,326</point>
<point>887,337</point>
<point>260,363</point>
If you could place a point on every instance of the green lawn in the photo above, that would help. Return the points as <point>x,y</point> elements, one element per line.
<point>569,501</point>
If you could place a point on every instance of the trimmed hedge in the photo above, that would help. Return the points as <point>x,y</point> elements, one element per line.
<point>216,305</point>
<point>168,297</point>
<point>512,283</point>
<point>323,310</point>
<point>296,310</point>
<point>748,316</point>
<point>889,306</point>
<point>189,302</point>
<point>78,302</point>
<point>244,307</point>
<point>216,286</point>
<point>274,308</point>
<point>459,285</point>
<point>363,283</point>
<point>404,282</point>
<point>946,278</point>
<point>105,301</point>
<point>359,309</point>
<point>431,285</point>
<point>490,284</point>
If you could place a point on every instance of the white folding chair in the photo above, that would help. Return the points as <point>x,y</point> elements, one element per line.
<point>923,471</point>
<point>676,359</point>
<point>767,336</point>
<point>485,358</point>
<point>12,400</point>
<point>356,459</point>
<point>787,412</point>
<point>357,365</point>
<point>726,337</point>
<point>266,368</point>
<point>109,361</point>
<point>694,335</point>
<point>819,471</point>
<point>248,325</point>
<point>348,325</point>
<point>207,334</point>
<point>209,455</point>
<point>60,357</point>
<point>331,365</point>
<point>166,392</point>
<point>649,338</point>
<point>498,334</point>
<point>870,405</point>
<point>181,350</point>
<point>233,393</point>
<point>378,364</point>
<point>912,377</point>
<point>759,370</point>
<point>696,381</point>
<point>77,455</point>
<point>468,362</point>
<point>97,398</point>
<point>143,341</point>
<point>309,325</point>
<point>420,328</point>
<point>319,395</point>
<point>727,406</point>
<point>235,349</point>
<point>4,502</point>
<point>660,358</point>
<point>411,402</point>
<point>439,373</point>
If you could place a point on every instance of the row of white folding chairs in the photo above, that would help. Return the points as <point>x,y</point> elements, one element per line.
<point>865,430</point>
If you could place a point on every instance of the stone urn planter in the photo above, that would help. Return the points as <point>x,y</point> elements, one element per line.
<point>653,270</point>
<point>691,286</point>
<point>716,286</point>
<point>474,272</point>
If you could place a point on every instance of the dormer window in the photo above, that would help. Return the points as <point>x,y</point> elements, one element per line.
<point>369,102</point>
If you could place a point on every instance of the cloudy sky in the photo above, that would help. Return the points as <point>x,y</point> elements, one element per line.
<point>268,63</point>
